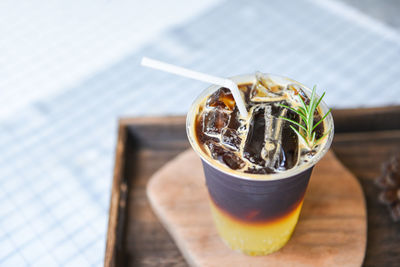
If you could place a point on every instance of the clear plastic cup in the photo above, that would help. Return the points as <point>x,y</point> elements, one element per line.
<point>255,214</point>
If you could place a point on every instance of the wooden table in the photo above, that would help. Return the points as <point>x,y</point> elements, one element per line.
<point>364,139</point>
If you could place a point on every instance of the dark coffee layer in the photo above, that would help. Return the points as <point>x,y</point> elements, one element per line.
<point>255,201</point>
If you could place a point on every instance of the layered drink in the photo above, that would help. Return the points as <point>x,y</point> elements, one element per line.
<point>257,168</point>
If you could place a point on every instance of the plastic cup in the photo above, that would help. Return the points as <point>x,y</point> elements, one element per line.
<point>255,214</point>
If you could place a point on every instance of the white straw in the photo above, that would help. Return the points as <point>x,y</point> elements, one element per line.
<point>148,62</point>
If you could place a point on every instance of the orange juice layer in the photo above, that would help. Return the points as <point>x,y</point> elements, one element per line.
<point>255,238</point>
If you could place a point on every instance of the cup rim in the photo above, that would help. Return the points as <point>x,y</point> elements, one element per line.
<point>250,78</point>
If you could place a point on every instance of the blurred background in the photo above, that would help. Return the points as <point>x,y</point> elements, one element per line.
<point>70,69</point>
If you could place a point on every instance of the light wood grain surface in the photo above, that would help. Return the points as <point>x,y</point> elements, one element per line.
<point>331,229</point>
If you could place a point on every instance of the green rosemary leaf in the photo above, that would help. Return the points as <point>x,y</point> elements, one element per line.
<point>312,100</point>
<point>302,110</point>
<point>295,111</point>
<point>300,135</point>
<point>292,109</point>
<point>313,138</point>
<point>294,122</point>
<point>304,104</point>
<point>311,111</point>
<point>302,117</point>
<point>306,114</point>
<point>303,113</point>
<point>321,120</point>
<point>319,101</point>
<point>310,121</point>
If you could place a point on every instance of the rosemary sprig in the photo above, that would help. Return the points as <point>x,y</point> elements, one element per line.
<point>306,126</point>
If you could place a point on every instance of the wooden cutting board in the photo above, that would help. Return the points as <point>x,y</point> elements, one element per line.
<point>331,230</point>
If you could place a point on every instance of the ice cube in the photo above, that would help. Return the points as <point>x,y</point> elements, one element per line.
<point>290,141</point>
<point>277,158</point>
<point>214,121</point>
<point>255,137</point>
<point>218,152</point>
<point>231,138</point>
<point>267,83</point>
<point>233,161</point>
<point>221,98</point>
<point>271,151</point>
<point>234,122</point>
<point>269,148</point>
<point>298,90</point>
<point>280,150</point>
<point>264,89</point>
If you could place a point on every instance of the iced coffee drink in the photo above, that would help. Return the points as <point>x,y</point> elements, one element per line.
<point>257,168</point>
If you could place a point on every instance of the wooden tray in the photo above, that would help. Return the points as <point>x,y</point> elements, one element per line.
<point>364,138</point>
